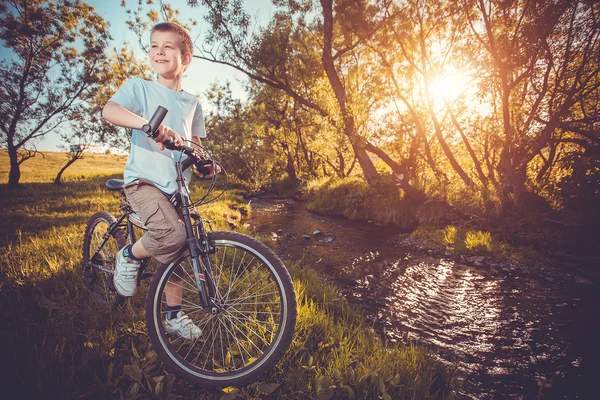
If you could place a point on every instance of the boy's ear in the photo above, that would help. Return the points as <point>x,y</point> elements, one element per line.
<point>187,59</point>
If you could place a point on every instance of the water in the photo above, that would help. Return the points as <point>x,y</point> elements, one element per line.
<point>508,334</point>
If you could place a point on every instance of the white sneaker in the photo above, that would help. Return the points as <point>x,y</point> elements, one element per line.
<point>183,326</point>
<point>125,277</point>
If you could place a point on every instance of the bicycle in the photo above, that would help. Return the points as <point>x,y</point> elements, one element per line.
<point>235,288</point>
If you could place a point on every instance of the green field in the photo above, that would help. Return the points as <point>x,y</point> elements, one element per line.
<point>55,343</point>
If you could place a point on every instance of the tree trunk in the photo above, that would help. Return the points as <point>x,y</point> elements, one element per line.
<point>67,165</point>
<point>370,173</point>
<point>15,171</point>
<point>291,170</point>
<point>402,175</point>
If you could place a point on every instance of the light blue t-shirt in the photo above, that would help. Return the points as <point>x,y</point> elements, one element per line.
<point>146,160</point>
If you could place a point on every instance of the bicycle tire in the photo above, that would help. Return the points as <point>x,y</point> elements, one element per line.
<point>99,283</point>
<point>254,330</point>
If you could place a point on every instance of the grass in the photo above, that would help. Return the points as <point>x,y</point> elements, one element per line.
<point>55,343</point>
<point>354,199</point>
<point>45,166</point>
<point>512,239</point>
<point>474,242</point>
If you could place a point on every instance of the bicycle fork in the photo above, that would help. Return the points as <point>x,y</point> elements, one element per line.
<point>200,248</point>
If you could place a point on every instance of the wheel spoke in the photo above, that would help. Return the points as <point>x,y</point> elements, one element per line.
<point>248,318</point>
<point>99,256</point>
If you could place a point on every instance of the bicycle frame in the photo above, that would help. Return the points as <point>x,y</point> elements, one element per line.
<point>197,242</point>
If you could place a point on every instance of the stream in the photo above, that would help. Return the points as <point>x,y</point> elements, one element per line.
<point>508,333</point>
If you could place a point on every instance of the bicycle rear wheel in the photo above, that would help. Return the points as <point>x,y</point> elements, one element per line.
<point>96,254</point>
<point>254,323</point>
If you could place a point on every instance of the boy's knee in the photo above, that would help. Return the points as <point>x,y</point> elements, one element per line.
<point>175,241</point>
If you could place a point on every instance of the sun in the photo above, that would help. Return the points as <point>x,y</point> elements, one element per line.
<point>449,85</point>
<point>454,84</point>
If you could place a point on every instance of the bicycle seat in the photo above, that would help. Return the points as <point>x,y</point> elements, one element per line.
<point>114,184</point>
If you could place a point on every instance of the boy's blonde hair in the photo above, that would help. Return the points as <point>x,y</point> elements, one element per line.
<point>187,47</point>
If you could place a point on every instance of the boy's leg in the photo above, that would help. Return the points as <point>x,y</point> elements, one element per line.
<point>139,251</point>
<point>176,320</point>
<point>166,233</point>
<point>174,288</point>
<point>164,239</point>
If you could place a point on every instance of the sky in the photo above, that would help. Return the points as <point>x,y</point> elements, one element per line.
<point>198,77</point>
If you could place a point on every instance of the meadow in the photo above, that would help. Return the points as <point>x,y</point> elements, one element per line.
<point>56,343</point>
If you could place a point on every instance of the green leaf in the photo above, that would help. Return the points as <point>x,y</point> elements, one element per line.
<point>337,374</point>
<point>168,381</point>
<point>136,354</point>
<point>133,371</point>
<point>151,356</point>
<point>267,388</point>
<point>381,385</point>
<point>351,395</point>
<point>158,389</point>
<point>323,388</point>
<point>109,373</point>
<point>133,390</point>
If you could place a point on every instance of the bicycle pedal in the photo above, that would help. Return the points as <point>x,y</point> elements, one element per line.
<point>147,275</point>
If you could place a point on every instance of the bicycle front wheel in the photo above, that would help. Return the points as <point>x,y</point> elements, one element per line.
<point>251,327</point>
<point>99,254</point>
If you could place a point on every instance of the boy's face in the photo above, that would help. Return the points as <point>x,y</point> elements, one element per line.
<point>165,54</point>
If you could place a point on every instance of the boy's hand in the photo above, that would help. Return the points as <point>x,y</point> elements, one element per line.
<point>164,135</point>
<point>207,171</point>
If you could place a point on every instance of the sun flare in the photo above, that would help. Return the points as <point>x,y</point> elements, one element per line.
<point>454,84</point>
<point>449,85</point>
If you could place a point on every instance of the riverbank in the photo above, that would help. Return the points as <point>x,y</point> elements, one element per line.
<point>530,245</point>
<point>57,344</point>
<point>509,329</point>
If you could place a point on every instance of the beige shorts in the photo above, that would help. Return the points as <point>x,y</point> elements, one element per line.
<point>166,232</point>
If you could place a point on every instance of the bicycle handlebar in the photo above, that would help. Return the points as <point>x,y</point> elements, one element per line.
<point>151,129</point>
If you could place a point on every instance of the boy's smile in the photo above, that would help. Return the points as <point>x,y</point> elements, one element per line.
<point>165,55</point>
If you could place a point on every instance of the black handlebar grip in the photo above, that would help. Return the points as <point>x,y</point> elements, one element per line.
<point>151,128</point>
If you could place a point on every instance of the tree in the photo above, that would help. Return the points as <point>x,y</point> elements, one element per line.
<point>87,126</point>
<point>324,54</point>
<point>541,62</point>
<point>76,152</point>
<point>57,47</point>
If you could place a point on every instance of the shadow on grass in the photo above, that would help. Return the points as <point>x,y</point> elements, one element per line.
<point>34,208</point>
<point>56,343</point>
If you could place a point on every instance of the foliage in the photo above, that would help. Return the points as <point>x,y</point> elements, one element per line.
<point>50,72</point>
<point>355,199</point>
<point>239,140</point>
<point>333,81</point>
<point>529,100</point>
<point>579,190</point>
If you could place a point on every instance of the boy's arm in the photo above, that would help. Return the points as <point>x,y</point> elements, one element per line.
<point>118,115</point>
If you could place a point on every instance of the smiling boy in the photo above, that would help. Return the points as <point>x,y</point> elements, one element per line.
<point>150,170</point>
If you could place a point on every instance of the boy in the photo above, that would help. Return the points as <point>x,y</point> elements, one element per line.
<point>150,170</point>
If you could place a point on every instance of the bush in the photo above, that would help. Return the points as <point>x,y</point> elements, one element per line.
<point>353,198</point>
